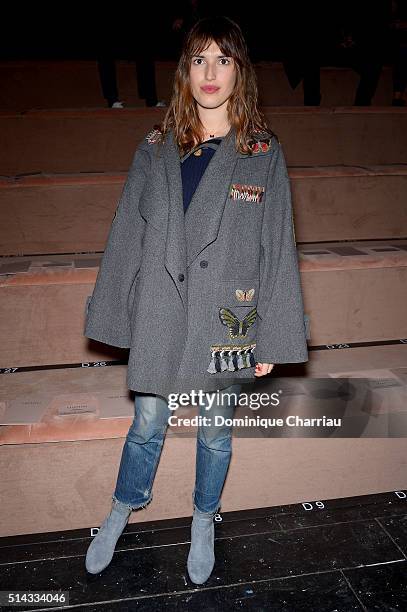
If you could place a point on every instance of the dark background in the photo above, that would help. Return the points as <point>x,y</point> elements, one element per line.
<point>273,30</point>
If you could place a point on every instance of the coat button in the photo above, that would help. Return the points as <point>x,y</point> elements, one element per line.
<point>203,263</point>
<point>181,277</point>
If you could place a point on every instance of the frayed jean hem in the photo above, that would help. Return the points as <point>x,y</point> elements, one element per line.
<point>133,507</point>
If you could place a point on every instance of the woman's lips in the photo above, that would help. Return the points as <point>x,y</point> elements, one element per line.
<point>210,89</point>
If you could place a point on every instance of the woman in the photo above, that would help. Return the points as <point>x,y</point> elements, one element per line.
<point>199,277</point>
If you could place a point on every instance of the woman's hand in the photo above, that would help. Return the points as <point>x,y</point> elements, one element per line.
<point>263,368</point>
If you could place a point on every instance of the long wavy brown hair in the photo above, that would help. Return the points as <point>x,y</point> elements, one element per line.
<point>243,113</point>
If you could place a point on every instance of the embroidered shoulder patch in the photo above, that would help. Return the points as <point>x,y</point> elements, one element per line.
<point>261,141</point>
<point>154,136</point>
<point>260,146</point>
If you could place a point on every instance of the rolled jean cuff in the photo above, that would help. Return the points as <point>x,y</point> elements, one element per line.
<point>214,509</point>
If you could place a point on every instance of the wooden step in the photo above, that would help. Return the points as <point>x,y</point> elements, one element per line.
<point>91,401</point>
<point>104,140</point>
<point>73,213</point>
<point>64,429</point>
<point>353,292</point>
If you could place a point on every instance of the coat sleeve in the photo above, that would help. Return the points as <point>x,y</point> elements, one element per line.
<point>281,328</point>
<point>108,308</point>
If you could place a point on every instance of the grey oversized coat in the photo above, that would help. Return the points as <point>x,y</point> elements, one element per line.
<point>199,297</point>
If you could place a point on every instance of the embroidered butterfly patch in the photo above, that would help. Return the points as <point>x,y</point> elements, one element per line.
<point>244,296</point>
<point>237,328</point>
<point>249,193</point>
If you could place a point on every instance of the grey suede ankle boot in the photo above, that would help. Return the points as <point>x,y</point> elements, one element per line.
<point>201,557</point>
<point>101,549</point>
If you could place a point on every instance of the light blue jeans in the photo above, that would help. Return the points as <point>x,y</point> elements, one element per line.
<point>145,439</point>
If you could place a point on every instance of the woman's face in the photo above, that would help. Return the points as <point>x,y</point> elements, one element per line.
<point>212,77</point>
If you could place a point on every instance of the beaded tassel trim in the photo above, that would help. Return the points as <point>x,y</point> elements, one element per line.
<point>249,193</point>
<point>231,357</point>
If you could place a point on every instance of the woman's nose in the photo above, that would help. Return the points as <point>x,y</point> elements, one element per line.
<point>210,72</point>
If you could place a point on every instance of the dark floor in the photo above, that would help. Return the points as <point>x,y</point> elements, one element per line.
<point>331,555</point>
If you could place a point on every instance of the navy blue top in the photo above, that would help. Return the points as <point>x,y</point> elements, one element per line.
<point>193,168</point>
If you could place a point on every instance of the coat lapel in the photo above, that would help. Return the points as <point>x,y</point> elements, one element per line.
<point>189,233</point>
<point>204,214</point>
<point>175,244</point>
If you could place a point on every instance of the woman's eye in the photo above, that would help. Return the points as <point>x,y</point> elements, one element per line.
<point>224,61</point>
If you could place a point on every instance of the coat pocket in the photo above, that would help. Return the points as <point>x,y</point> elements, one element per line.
<point>234,325</point>
<point>234,310</point>
<point>250,210</point>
